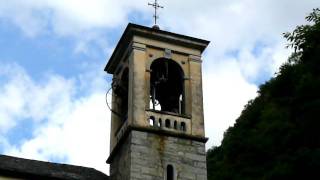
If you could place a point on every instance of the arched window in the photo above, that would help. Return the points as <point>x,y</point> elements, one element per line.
<point>183,126</point>
<point>167,123</point>
<point>175,126</point>
<point>167,86</point>
<point>170,172</point>
<point>151,120</point>
<point>160,123</point>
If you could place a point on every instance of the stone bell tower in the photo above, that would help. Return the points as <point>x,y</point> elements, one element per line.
<point>157,126</point>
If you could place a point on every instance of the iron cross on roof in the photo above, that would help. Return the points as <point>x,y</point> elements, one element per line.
<point>156,6</point>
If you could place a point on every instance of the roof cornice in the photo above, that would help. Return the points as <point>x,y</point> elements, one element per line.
<point>152,33</point>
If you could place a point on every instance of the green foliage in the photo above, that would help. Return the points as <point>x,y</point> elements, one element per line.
<point>277,135</point>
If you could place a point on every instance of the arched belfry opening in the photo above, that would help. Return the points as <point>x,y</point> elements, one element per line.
<point>121,91</point>
<point>167,86</point>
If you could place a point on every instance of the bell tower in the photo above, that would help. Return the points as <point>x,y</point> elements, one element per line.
<point>157,124</point>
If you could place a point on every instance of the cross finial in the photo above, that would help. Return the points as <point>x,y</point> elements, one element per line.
<point>156,6</point>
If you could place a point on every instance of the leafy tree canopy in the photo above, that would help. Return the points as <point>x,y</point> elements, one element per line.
<point>277,135</point>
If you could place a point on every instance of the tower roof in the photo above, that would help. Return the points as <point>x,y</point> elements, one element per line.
<point>155,34</point>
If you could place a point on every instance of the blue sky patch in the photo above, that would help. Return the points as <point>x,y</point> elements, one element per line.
<point>21,132</point>
<point>258,48</point>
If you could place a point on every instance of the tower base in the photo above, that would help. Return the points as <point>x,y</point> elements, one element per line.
<point>147,155</point>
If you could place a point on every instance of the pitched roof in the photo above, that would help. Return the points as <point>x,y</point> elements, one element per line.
<point>33,169</point>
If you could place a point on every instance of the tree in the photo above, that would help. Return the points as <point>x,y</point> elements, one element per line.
<point>277,134</point>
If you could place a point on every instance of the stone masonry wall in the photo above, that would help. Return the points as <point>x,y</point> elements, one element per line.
<point>120,166</point>
<point>151,153</point>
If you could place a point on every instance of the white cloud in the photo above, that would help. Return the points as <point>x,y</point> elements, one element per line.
<point>81,137</point>
<point>21,14</point>
<point>86,21</point>
<point>12,96</point>
<point>226,91</point>
<point>22,98</point>
<point>67,17</point>
<point>69,129</point>
<point>235,26</point>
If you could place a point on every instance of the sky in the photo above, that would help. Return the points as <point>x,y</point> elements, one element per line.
<point>53,52</point>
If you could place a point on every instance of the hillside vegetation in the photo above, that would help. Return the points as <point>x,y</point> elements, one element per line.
<point>277,135</point>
